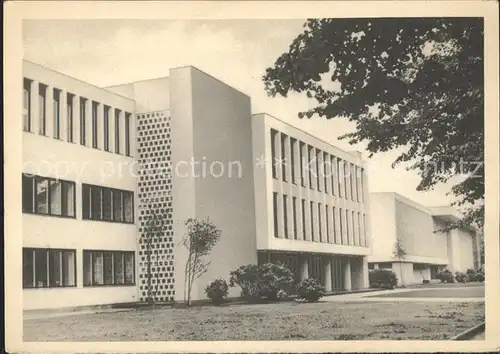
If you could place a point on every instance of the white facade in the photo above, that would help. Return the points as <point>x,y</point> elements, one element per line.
<point>130,152</point>
<point>429,250</point>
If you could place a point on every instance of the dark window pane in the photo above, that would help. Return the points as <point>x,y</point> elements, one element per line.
<point>97,265</point>
<point>128,204</point>
<point>68,198</point>
<point>55,268</point>
<point>85,201</point>
<point>108,268</point>
<point>28,271</point>
<point>68,266</point>
<point>96,203</point>
<point>55,197</point>
<point>119,268</point>
<point>117,206</point>
<point>106,204</point>
<point>87,268</point>
<point>42,196</point>
<point>28,193</point>
<point>40,268</point>
<point>129,268</point>
<point>275,213</point>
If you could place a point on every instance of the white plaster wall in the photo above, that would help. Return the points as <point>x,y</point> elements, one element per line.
<point>221,135</point>
<point>466,250</point>
<point>383,226</point>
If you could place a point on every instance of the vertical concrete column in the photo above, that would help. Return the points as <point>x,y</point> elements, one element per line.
<point>287,159</point>
<point>100,126</point>
<point>133,135</point>
<point>347,274</point>
<point>304,268</point>
<point>360,187</point>
<point>63,115</point>
<point>354,183</point>
<point>335,175</point>
<point>277,155</point>
<point>49,111</point>
<point>304,167</point>
<point>320,164</point>
<point>315,224</point>
<point>365,274</point>
<point>35,120</point>
<point>322,212</point>
<point>455,251</point>
<point>327,263</point>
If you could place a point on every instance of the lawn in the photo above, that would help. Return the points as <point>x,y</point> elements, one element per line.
<point>470,292</point>
<point>281,321</point>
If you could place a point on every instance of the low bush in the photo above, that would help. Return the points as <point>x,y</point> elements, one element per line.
<point>446,276</point>
<point>382,278</point>
<point>268,281</point>
<point>479,277</point>
<point>311,290</point>
<point>461,277</point>
<point>475,275</point>
<point>217,291</point>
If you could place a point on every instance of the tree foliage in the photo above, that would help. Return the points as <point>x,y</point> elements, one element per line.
<point>201,237</point>
<point>410,83</point>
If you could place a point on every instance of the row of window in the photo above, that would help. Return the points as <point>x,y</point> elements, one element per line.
<point>319,222</point>
<point>108,114</point>
<point>52,268</point>
<point>320,168</point>
<point>49,196</point>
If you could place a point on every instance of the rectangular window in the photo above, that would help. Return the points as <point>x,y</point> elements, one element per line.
<point>49,196</point>
<point>83,122</point>
<point>27,105</point>
<point>42,109</point>
<point>303,209</point>
<point>294,215</point>
<point>106,128</point>
<point>311,207</point>
<point>285,214</point>
<point>109,204</point>
<point>320,224</point>
<point>318,170</point>
<point>48,268</point>
<point>334,227</point>
<point>108,268</point>
<point>309,162</point>
<point>340,177</point>
<point>293,146</point>
<point>127,134</point>
<point>326,163</point>
<point>274,134</point>
<point>275,213</point>
<point>301,164</point>
<point>327,219</point>
<point>332,171</point>
<point>69,117</point>
<point>283,157</point>
<point>117,131</point>
<point>95,126</point>
<point>386,265</point>
<point>57,113</point>
<point>341,226</point>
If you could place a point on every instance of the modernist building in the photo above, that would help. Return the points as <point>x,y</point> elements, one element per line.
<point>419,229</point>
<point>97,162</point>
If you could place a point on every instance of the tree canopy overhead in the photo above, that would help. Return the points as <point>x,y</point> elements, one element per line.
<point>410,83</point>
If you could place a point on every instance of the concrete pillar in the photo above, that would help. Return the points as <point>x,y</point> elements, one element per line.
<point>304,167</point>
<point>454,265</point>
<point>347,274</point>
<point>365,276</point>
<point>76,118</point>
<point>88,123</point>
<point>278,157</point>
<point>49,111</point>
<point>279,216</point>
<point>304,268</point>
<point>327,262</point>
<point>112,143</point>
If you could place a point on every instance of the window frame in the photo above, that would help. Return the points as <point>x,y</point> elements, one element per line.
<point>83,121</point>
<point>92,252</point>
<point>101,193</point>
<point>56,101</point>
<point>128,117</point>
<point>47,255</point>
<point>70,112</point>
<point>35,179</point>
<point>27,89</point>
<point>42,109</point>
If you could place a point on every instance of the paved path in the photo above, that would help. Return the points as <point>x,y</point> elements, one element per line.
<point>379,296</point>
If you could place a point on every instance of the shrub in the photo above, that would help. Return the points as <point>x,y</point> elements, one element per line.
<point>461,277</point>
<point>382,278</point>
<point>446,276</point>
<point>426,281</point>
<point>311,290</point>
<point>217,291</point>
<point>267,281</point>
<point>475,275</point>
<point>479,277</point>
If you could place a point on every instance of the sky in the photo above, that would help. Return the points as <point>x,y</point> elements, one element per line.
<point>112,52</point>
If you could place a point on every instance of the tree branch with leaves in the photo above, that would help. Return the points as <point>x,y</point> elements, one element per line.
<point>201,237</point>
